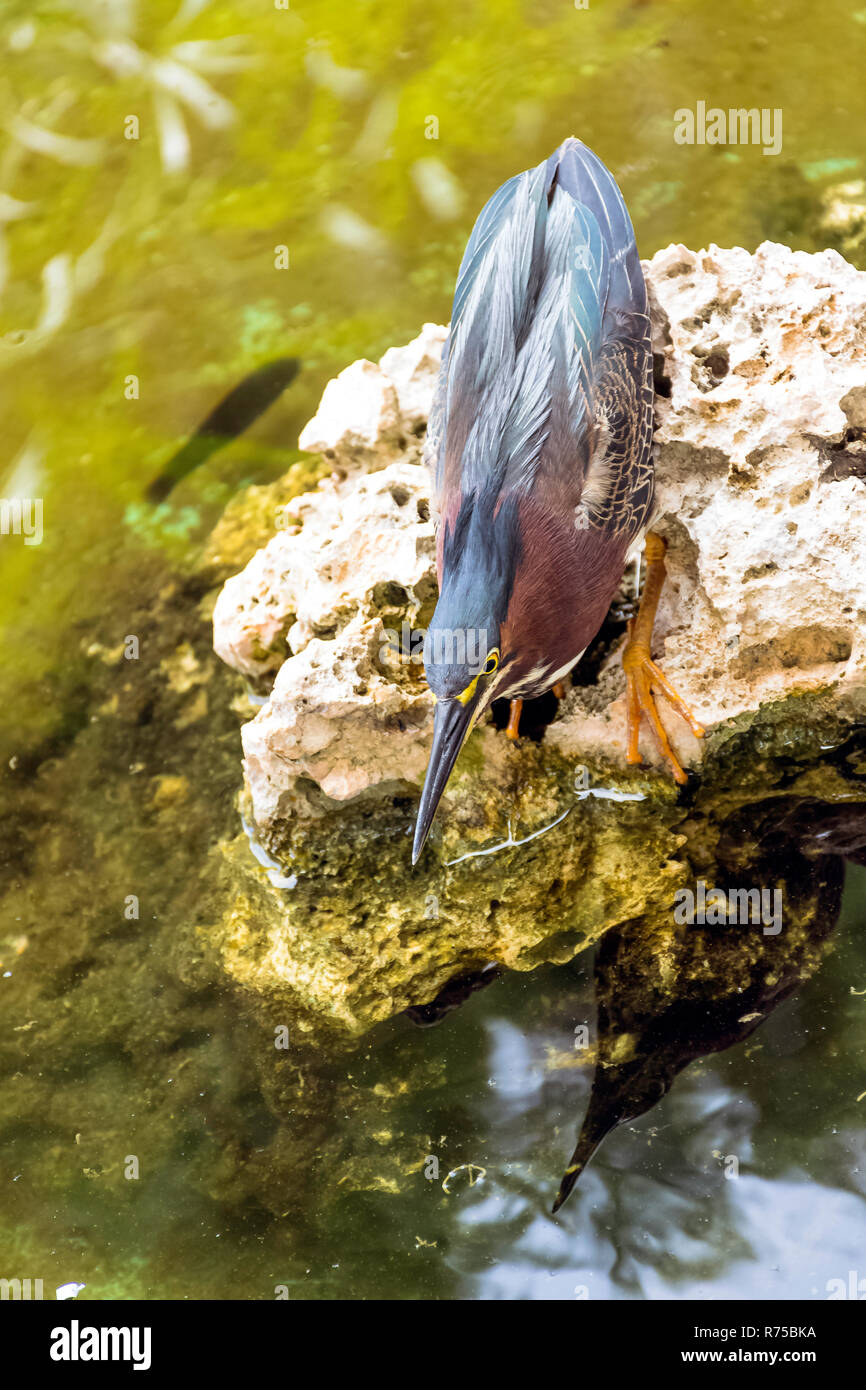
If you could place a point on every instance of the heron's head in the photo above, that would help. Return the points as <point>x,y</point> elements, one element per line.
<point>464,669</point>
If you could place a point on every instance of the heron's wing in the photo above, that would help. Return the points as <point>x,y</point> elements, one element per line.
<point>433,440</point>
<point>581,174</point>
<point>615,475</point>
<point>549,275</point>
<point>616,483</point>
<point>489,223</point>
<point>491,297</point>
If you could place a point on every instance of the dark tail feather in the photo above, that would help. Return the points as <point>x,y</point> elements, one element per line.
<point>234,414</point>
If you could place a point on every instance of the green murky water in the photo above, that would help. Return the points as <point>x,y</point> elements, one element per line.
<point>139,285</point>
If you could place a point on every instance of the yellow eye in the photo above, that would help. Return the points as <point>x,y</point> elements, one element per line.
<point>487,669</point>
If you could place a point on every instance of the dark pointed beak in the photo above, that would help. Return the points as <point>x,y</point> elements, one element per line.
<point>451,723</point>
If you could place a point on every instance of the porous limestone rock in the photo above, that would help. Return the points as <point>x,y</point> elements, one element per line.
<point>346,544</point>
<point>366,411</point>
<point>760,483</point>
<point>540,848</point>
<point>413,370</point>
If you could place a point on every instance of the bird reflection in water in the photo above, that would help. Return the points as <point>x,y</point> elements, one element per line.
<point>663,1004</point>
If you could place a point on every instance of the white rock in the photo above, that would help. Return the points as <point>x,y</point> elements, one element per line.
<point>333,718</point>
<point>358,419</point>
<point>353,543</point>
<point>366,411</point>
<point>413,369</point>
<point>770,549</point>
<point>760,493</point>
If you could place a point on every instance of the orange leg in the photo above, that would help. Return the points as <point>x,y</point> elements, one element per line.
<point>559,690</point>
<point>641,673</point>
<point>512,731</point>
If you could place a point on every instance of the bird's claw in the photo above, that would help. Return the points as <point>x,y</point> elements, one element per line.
<point>642,678</point>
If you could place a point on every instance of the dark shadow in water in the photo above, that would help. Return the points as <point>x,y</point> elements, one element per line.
<point>720,981</point>
<point>455,993</point>
<point>235,413</point>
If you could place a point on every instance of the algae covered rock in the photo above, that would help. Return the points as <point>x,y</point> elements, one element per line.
<point>543,848</point>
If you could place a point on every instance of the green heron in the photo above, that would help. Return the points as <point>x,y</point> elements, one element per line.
<point>540,442</point>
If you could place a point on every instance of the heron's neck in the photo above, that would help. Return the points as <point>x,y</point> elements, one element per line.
<point>480,558</point>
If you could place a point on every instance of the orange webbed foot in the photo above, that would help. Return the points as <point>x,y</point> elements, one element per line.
<point>643,678</point>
